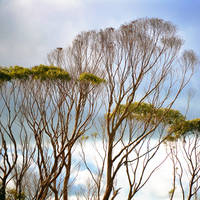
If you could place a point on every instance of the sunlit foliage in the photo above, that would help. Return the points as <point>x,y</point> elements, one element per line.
<point>44,72</point>
<point>143,111</point>
<point>177,124</point>
<point>91,78</point>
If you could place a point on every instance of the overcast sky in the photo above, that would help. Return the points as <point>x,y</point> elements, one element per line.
<point>29,29</point>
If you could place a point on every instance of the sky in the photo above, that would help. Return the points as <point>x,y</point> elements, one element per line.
<point>157,188</point>
<point>30,29</point>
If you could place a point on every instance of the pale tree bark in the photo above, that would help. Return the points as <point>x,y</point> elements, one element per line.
<point>140,159</point>
<point>140,61</point>
<point>80,98</point>
<point>41,112</point>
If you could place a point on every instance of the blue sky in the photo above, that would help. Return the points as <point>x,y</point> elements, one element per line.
<point>29,29</point>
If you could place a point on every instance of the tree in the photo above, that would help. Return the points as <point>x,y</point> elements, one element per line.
<point>55,113</point>
<point>10,130</point>
<point>185,155</point>
<point>141,62</point>
<point>46,118</point>
<point>25,153</point>
<point>139,69</point>
<point>82,93</point>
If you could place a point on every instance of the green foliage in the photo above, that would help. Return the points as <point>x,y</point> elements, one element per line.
<point>84,137</point>
<point>41,72</point>
<point>4,74</point>
<point>184,127</point>
<point>91,78</point>
<point>144,111</point>
<point>141,108</point>
<point>44,72</point>
<point>171,116</point>
<point>18,72</point>
<point>138,111</point>
<point>42,69</point>
<point>58,74</point>
<point>177,124</point>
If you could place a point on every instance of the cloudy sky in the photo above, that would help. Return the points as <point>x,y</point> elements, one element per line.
<point>29,29</point>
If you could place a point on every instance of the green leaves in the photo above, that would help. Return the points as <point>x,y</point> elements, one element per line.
<point>18,72</point>
<point>170,116</point>
<point>91,78</point>
<point>184,127</point>
<point>4,75</point>
<point>143,111</point>
<point>43,73</point>
<point>137,110</point>
<point>176,122</point>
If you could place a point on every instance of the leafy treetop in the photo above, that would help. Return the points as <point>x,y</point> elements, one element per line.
<point>91,78</point>
<point>43,72</point>
<point>178,125</point>
<point>143,111</point>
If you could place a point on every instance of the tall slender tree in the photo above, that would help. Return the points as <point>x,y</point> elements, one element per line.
<point>142,61</point>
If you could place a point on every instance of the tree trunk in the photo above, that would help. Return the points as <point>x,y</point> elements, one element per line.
<point>3,191</point>
<point>109,182</point>
<point>67,175</point>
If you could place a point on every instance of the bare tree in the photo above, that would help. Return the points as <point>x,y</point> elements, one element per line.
<point>144,69</point>
<point>11,130</point>
<point>58,113</point>
<point>185,155</point>
<point>141,62</point>
<point>140,162</point>
<point>26,152</point>
<point>53,109</point>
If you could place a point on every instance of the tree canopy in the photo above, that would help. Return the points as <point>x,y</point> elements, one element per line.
<point>177,124</point>
<point>112,96</point>
<point>44,72</point>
